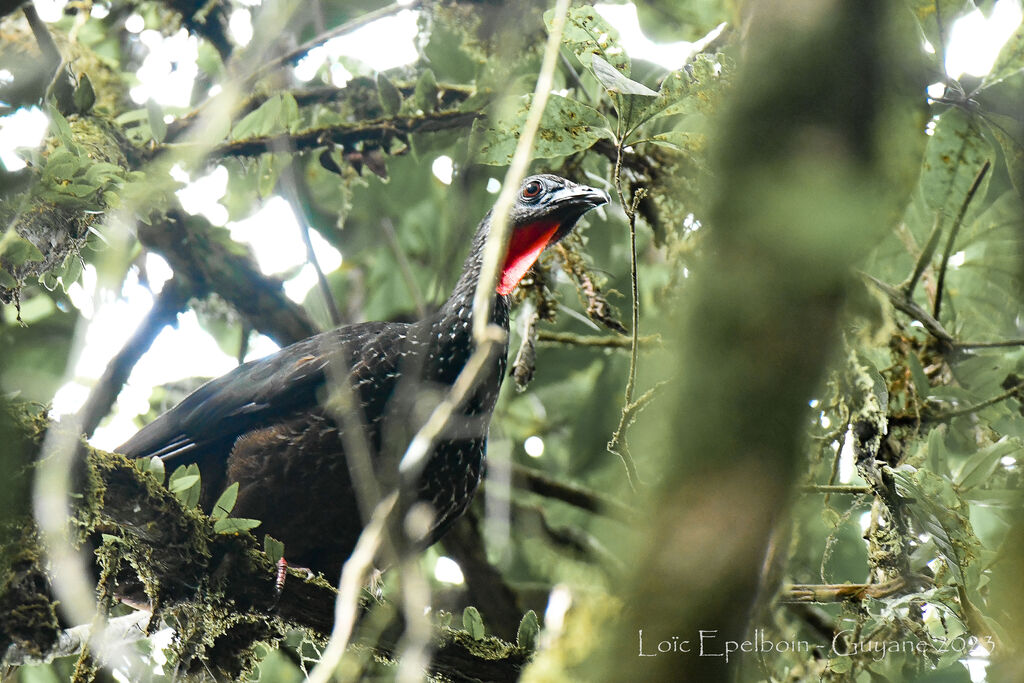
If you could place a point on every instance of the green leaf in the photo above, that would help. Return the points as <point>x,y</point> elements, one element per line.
<point>153,466</point>
<point>84,96</point>
<point>61,165</point>
<point>80,189</point>
<point>16,250</point>
<point>614,81</point>
<point>921,383</point>
<point>425,94</point>
<point>273,548</point>
<point>1009,134</point>
<point>953,157</point>
<point>670,21</point>
<point>937,453</point>
<point>183,483</point>
<point>234,525</point>
<point>155,116</point>
<point>567,126</point>
<point>60,127</point>
<point>686,91</point>
<point>270,167</point>
<point>840,665</point>
<point>679,140</point>
<point>218,125</point>
<point>263,120</point>
<point>225,503</point>
<point>186,484</point>
<point>390,98</point>
<point>132,116</point>
<point>1010,59</point>
<point>473,622</point>
<point>290,117</point>
<point>936,16</point>
<point>586,33</point>
<point>631,98</point>
<point>937,510</point>
<point>978,469</point>
<point>987,290</point>
<point>103,172</point>
<point>529,628</point>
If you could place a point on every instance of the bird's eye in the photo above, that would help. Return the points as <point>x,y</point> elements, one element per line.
<point>532,189</point>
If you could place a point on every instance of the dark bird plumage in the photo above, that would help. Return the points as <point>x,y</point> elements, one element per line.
<point>264,424</point>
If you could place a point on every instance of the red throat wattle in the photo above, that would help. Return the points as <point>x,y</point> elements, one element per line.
<point>523,250</point>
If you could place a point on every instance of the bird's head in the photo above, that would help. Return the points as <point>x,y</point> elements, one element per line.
<point>546,210</point>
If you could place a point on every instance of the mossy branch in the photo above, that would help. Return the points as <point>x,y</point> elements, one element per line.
<point>346,135</point>
<point>219,587</point>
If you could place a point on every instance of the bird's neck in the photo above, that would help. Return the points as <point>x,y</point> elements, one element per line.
<point>449,340</point>
<point>460,303</point>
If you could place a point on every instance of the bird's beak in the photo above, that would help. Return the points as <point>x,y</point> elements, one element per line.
<point>572,201</point>
<point>583,196</point>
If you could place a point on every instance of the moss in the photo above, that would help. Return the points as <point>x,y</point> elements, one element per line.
<point>488,647</point>
<point>28,608</point>
<point>58,224</point>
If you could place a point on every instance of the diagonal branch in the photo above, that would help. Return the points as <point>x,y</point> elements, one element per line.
<point>203,254</point>
<point>166,306</point>
<point>901,303</point>
<point>293,56</point>
<point>529,479</point>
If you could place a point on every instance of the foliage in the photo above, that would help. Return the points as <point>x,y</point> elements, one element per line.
<point>905,521</point>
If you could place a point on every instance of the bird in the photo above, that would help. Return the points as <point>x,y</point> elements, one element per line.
<point>268,425</point>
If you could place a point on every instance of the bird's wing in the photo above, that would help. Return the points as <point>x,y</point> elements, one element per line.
<point>258,393</point>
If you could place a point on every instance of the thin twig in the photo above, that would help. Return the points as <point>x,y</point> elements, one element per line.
<point>290,189</point>
<point>573,539</point>
<point>989,345</point>
<point>618,444</point>
<point>404,267</point>
<point>298,53</point>
<point>47,46</point>
<point>1012,392</point>
<point>353,577</point>
<point>924,258</point>
<point>953,234</point>
<point>594,341</point>
<point>911,308</point>
<point>574,77</point>
<point>413,651</point>
<point>841,592</point>
<point>635,348</point>
<point>834,488</point>
<point>321,279</point>
<point>423,442</point>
